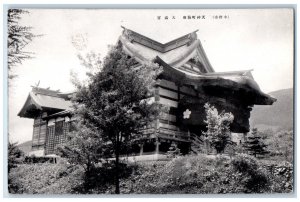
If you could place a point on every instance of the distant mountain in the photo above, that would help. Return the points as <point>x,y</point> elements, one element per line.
<point>276,116</point>
<point>25,146</point>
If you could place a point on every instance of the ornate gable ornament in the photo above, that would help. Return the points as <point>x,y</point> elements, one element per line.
<point>128,34</point>
<point>192,37</point>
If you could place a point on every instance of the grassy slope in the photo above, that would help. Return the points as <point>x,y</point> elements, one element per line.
<point>184,175</point>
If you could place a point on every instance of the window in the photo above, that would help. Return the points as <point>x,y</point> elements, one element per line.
<point>59,128</point>
<point>50,140</point>
<point>57,134</point>
<point>39,133</point>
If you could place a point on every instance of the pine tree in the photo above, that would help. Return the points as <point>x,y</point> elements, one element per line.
<point>255,145</point>
<point>114,104</point>
<point>18,37</point>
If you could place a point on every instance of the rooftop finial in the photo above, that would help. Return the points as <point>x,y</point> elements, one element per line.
<point>36,85</point>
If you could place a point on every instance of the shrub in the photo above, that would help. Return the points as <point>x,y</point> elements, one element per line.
<point>218,128</point>
<point>244,163</point>
<point>100,178</point>
<point>193,174</point>
<point>203,175</point>
<point>199,174</point>
<point>65,182</point>
<point>256,179</point>
<point>35,178</point>
<point>15,155</point>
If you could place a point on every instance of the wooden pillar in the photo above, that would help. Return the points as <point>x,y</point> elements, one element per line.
<point>207,146</point>
<point>157,143</point>
<point>141,149</point>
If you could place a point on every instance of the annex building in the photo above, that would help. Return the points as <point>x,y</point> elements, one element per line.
<point>187,82</point>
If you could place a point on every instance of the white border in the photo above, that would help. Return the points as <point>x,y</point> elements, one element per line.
<point>211,3</point>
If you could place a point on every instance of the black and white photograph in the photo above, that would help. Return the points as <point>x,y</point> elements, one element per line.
<point>150,101</point>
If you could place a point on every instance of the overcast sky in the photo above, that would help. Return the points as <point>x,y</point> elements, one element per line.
<point>261,40</point>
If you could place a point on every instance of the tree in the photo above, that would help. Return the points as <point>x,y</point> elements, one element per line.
<point>84,147</point>
<point>218,128</point>
<point>14,155</point>
<point>18,37</point>
<point>114,105</point>
<point>254,144</point>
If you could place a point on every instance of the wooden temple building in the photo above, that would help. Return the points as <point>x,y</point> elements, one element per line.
<point>187,82</point>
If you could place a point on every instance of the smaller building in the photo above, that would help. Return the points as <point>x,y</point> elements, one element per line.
<point>50,111</point>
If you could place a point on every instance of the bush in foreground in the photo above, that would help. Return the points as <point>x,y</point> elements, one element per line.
<point>206,175</point>
<point>182,175</point>
<point>43,178</point>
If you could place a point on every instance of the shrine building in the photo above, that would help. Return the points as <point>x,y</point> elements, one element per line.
<point>187,82</point>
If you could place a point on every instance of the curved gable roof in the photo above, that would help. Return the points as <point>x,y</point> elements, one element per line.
<point>176,52</point>
<point>42,100</point>
<point>235,81</point>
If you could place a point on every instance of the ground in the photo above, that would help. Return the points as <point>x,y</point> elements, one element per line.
<point>196,174</point>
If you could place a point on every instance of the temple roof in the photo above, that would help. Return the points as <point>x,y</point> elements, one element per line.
<point>183,59</point>
<point>155,45</point>
<point>235,81</point>
<point>175,53</point>
<point>41,99</point>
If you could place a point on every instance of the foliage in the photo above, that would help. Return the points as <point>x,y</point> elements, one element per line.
<point>173,151</point>
<point>218,128</point>
<point>41,178</point>
<point>38,159</point>
<point>280,143</point>
<point>209,175</point>
<point>198,175</point>
<point>18,38</point>
<point>15,155</point>
<point>85,148</point>
<point>256,178</point>
<point>255,145</point>
<point>112,106</point>
<point>91,61</point>
<point>244,163</point>
<point>281,174</point>
<point>201,174</point>
<point>63,178</point>
<point>101,178</point>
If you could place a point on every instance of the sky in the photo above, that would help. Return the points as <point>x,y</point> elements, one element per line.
<point>258,39</point>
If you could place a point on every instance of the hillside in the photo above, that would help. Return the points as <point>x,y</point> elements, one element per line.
<point>25,146</point>
<point>278,115</point>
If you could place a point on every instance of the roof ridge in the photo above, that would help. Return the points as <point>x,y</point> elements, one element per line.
<point>46,91</point>
<point>151,43</point>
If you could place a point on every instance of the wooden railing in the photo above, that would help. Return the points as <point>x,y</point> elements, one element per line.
<point>174,134</point>
<point>146,133</point>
